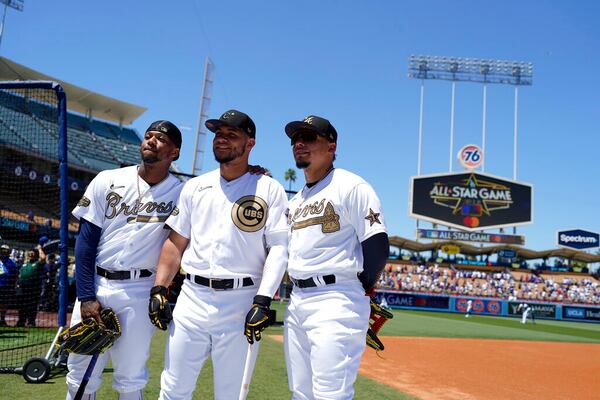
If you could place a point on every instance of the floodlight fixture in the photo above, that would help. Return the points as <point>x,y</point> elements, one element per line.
<point>16,4</point>
<point>470,70</point>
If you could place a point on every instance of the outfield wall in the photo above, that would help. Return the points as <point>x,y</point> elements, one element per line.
<point>488,306</point>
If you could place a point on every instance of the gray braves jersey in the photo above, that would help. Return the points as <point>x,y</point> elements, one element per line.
<point>230,224</point>
<point>131,214</point>
<point>328,222</point>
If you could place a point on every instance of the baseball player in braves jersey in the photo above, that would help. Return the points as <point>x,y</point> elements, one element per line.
<point>121,217</point>
<point>230,237</point>
<point>338,246</point>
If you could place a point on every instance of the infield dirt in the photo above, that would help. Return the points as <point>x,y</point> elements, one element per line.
<point>485,369</point>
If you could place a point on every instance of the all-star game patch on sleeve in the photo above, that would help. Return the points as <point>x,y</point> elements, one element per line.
<point>180,218</point>
<point>365,213</point>
<point>92,204</point>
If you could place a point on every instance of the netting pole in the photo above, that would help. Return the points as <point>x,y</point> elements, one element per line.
<point>64,206</point>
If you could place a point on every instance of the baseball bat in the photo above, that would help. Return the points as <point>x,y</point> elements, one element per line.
<point>86,377</point>
<point>248,369</point>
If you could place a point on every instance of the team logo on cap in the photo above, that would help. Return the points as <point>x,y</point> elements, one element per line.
<point>309,120</point>
<point>249,213</point>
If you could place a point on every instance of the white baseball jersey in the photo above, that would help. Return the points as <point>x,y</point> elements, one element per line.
<point>131,214</point>
<point>328,222</point>
<point>230,224</point>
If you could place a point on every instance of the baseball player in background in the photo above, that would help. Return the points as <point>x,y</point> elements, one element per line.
<point>527,311</point>
<point>230,238</point>
<point>121,231</point>
<point>338,246</point>
<point>469,308</point>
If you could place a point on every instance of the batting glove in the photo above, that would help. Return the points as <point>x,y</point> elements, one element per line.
<point>257,318</point>
<point>159,309</point>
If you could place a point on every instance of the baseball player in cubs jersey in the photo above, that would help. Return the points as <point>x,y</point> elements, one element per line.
<point>338,246</point>
<point>122,216</point>
<point>230,237</point>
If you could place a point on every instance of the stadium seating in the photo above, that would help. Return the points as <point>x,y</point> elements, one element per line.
<point>519,285</point>
<point>92,144</point>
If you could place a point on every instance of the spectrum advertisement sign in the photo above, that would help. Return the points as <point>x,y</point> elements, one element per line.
<point>470,201</point>
<point>578,239</point>
<point>480,306</point>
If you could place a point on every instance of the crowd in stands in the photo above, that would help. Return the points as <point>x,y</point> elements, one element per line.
<point>502,283</point>
<point>28,284</point>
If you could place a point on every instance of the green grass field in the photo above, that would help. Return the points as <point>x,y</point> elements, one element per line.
<point>270,379</point>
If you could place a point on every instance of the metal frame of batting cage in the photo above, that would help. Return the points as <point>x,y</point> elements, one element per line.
<point>37,369</point>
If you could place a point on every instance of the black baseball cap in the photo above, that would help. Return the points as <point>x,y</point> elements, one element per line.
<point>233,119</point>
<point>312,123</point>
<point>169,129</point>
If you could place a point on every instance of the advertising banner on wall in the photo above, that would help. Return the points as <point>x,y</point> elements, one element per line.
<point>480,306</point>
<point>540,310</point>
<point>470,201</point>
<point>397,299</point>
<point>479,237</point>
<point>584,313</point>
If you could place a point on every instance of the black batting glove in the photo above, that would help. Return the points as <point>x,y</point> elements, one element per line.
<point>257,318</point>
<point>159,309</point>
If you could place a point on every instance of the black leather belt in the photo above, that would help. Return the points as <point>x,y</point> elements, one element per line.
<point>310,282</point>
<point>218,284</point>
<point>121,275</point>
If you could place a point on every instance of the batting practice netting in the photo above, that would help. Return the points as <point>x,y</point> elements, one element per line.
<point>33,249</point>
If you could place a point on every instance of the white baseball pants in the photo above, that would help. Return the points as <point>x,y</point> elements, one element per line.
<point>324,339</point>
<point>206,322</point>
<point>129,300</point>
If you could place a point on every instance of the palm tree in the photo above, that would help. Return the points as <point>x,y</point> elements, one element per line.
<point>290,175</point>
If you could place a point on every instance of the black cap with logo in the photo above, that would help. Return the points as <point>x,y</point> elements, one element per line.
<point>313,123</point>
<point>233,119</point>
<point>169,129</point>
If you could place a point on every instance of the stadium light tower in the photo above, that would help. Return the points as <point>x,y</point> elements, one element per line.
<point>202,117</point>
<point>516,73</point>
<point>16,4</point>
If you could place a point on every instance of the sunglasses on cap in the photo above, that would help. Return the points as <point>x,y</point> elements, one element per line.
<point>305,136</point>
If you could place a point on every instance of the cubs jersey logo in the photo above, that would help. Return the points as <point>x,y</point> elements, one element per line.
<point>249,213</point>
<point>84,202</point>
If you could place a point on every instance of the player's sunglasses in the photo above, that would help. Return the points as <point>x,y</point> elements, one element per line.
<point>305,136</point>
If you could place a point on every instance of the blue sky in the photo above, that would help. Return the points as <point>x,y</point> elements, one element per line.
<point>347,61</point>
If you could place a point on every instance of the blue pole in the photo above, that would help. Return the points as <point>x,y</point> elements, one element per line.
<point>64,206</point>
